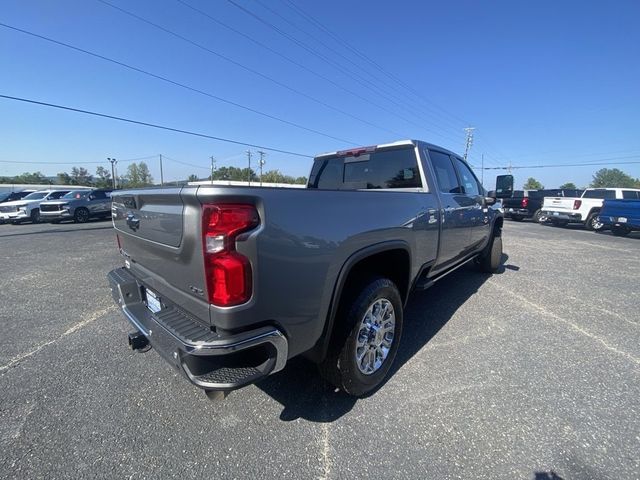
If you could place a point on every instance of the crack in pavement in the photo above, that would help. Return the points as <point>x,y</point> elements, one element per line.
<point>575,327</point>
<point>22,356</point>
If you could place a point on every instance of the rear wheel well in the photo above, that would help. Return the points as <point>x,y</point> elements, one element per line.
<point>394,264</point>
<point>391,264</point>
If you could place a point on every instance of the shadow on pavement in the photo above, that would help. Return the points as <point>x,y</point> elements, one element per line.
<point>56,230</point>
<point>304,394</point>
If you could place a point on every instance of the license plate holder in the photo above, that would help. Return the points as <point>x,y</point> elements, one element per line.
<point>153,300</point>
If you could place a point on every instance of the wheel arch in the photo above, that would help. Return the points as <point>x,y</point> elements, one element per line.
<point>388,259</point>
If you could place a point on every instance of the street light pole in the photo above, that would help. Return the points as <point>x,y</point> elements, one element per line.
<point>113,162</point>
<point>261,163</point>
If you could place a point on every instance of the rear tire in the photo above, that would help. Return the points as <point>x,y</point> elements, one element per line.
<point>366,338</point>
<point>81,215</point>
<point>537,215</point>
<point>592,222</point>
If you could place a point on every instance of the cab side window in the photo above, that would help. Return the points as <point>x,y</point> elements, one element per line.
<point>467,178</point>
<point>445,173</point>
<point>99,195</point>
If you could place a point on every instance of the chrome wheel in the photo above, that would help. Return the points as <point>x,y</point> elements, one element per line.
<point>375,336</point>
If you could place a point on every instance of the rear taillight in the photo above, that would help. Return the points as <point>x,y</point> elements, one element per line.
<point>228,273</point>
<point>525,202</point>
<point>577,204</point>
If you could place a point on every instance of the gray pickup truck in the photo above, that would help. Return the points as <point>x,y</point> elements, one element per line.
<point>228,283</point>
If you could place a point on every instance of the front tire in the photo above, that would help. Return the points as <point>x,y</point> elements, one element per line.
<point>620,231</point>
<point>366,339</point>
<point>81,215</point>
<point>35,215</point>
<point>491,258</point>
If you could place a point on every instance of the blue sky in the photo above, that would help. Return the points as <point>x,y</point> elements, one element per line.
<point>543,83</point>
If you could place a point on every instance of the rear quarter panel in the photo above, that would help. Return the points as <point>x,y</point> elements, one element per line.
<point>305,239</point>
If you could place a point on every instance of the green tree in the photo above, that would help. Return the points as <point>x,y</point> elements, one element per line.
<point>301,180</point>
<point>64,178</point>
<point>613,177</point>
<point>103,178</point>
<point>80,176</point>
<point>568,186</point>
<point>138,175</point>
<point>532,184</point>
<point>192,178</point>
<point>234,174</point>
<point>35,177</point>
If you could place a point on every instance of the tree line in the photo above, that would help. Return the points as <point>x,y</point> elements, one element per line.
<point>603,178</point>
<point>137,175</point>
<point>245,174</point>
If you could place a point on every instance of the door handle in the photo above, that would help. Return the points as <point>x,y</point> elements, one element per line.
<point>431,213</point>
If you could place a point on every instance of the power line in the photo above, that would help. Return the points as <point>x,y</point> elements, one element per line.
<point>244,67</point>
<point>302,66</point>
<point>153,125</point>
<point>562,165</point>
<point>173,82</point>
<point>342,69</point>
<point>51,163</point>
<point>185,163</point>
<point>396,80</point>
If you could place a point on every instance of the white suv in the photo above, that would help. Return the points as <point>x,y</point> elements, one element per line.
<point>28,208</point>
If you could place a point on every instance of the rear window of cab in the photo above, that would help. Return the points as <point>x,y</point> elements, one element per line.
<point>378,169</point>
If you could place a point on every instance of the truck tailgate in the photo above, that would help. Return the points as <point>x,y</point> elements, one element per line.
<point>159,236</point>
<point>559,204</point>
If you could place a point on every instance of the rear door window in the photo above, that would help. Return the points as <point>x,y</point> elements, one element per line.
<point>467,178</point>
<point>445,172</point>
<point>379,169</point>
<point>600,194</point>
<point>630,195</point>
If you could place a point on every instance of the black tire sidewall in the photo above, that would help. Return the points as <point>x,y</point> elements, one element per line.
<point>82,219</point>
<point>355,382</point>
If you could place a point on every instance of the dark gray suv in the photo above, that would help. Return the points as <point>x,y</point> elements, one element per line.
<point>77,205</point>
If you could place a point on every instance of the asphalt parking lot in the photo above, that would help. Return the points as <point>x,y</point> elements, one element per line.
<point>532,373</point>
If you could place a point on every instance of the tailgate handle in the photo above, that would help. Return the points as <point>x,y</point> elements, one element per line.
<point>133,222</point>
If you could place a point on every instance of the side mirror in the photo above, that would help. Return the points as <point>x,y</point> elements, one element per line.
<point>490,199</point>
<point>504,186</point>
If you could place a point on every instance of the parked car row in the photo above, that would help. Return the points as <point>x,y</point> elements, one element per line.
<point>528,203</point>
<point>55,205</point>
<point>585,209</point>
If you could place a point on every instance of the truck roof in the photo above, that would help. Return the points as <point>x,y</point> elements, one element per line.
<point>386,145</point>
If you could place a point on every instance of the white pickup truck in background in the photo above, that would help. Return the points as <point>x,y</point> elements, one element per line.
<point>560,211</point>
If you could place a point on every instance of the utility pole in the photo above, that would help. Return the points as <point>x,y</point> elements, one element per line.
<point>482,170</point>
<point>249,157</point>
<point>113,162</point>
<point>467,147</point>
<point>213,167</point>
<point>161,176</point>
<point>262,162</point>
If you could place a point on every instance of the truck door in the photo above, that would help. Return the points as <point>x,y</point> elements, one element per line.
<point>456,211</point>
<point>477,210</point>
